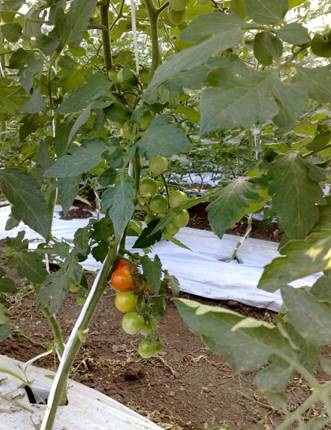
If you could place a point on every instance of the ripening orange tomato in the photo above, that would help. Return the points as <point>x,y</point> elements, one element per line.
<point>121,280</point>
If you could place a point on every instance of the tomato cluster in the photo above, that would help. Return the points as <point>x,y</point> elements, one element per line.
<point>130,299</point>
<point>155,200</point>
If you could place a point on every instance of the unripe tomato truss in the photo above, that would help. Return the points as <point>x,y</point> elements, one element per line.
<point>141,299</point>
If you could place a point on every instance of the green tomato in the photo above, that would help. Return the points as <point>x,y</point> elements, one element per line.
<point>126,301</point>
<point>145,120</point>
<point>178,5</point>
<point>148,347</point>
<point>158,165</point>
<point>159,205</point>
<point>132,323</point>
<point>171,229</point>
<point>149,327</point>
<point>182,219</point>
<point>148,187</point>
<point>126,76</point>
<point>176,17</point>
<point>177,198</point>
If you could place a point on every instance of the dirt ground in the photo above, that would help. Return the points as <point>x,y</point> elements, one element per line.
<point>185,388</point>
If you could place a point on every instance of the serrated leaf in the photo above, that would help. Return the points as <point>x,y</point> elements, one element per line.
<point>234,201</point>
<point>12,31</point>
<point>148,237</point>
<point>222,32</point>
<point>57,284</point>
<point>239,7</point>
<point>294,3</point>
<point>30,266</point>
<point>291,100</point>
<point>78,161</point>
<point>311,318</point>
<point>68,190</point>
<point>267,11</point>
<point>267,47</point>
<point>35,104</point>
<point>79,122</point>
<point>95,87</point>
<point>28,203</point>
<point>321,45</point>
<point>246,348</point>
<point>275,377</point>
<point>118,201</point>
<point>71,26</point>
<point>322,288</point>
<point>5,331</point>
<point>318,81</point>
<point>294,33</point>
<point>7,286</point>
<point>163,138</point>
<point>152,270</point>
<point>242,104</point>
<point>299,258</point>
<point>294,194</point>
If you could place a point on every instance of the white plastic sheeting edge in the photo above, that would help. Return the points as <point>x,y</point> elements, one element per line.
<point>199,270</point>
<point>87,409</point>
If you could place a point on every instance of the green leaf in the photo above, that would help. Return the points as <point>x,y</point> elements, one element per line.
<point>11,31</point>
<point>57,284</point>
<point>318,81</point>
<point>35,104</point>
<point>163,138</point>
<point>118,201</point>
<point>294,3</point>
<point>80,121</point>
<point>322,288</point>
<point>241,103</point>
<point>291,100</point>
<point>299,258</point>
<point>30,266</point>
<point>294,33</point>
<point>267,11</point>
<point>68,190</point>
<point>294,194</point>
<point>234,201</point>
<point>311,318</point>
<point>275,377</point>
<point>246,343</point>
<point>317,423</point>
<point>267,48</point>
<point>78,160</point>
<point>239,7</point>
<point>95,87</point>
<point>321,45</point>
<point>222,32</point>
<point>152,270</point>
<point>7,286</point>
<point>326,365</point>
<point>28,203</point>
<point>148,237</point>
<point>71,26</point>
<point>321,139</point>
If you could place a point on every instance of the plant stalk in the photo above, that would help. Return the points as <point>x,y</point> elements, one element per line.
<point>104,9</point>
<point>153,14</point>
<point>76,339</point>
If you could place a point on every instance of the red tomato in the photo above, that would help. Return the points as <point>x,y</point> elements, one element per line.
<point>120,264</point>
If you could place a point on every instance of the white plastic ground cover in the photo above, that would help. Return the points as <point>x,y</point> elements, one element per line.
<point>202,270</point>
<point>87,408</point>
